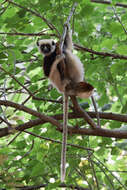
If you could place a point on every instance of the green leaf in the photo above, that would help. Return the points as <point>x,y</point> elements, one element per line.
<point>37,169</point>
<point>84,105</point>
<point>108,43</point>
<point>21,13</point>
<point>52,186</point>
<point>124,109</point>
<point>9,13</point>
<point>31,160</point>
<point>2,55</point>
<point>106,107</point>
<point>86,10</point>
<point>115,28</point>
<point>122,49</point>
<point>115,151</point>
<point>44,4</point>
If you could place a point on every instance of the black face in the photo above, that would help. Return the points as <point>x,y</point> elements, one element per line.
<point>45,48</point>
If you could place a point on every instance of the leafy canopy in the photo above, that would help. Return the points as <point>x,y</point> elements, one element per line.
<point>34,159</point>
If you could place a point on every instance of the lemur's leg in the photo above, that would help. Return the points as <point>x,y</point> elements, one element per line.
<point>56,62</point>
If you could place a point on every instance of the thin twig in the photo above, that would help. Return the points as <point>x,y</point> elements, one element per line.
<point>13,139</point>
<point>3,2</point>
<point>47,100</point>
<point>106,175</point>
<point>12,76</point>
<point>119,20</point>
<point>4,9</point>
<point>94,173</point>
<point>27,153</point>
<point>59,142</point>
<point>104,167</point>
<point>82,174</point>
<point>5,121</point>
<point>96,111</point>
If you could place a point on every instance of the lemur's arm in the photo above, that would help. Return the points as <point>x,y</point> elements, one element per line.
<point>68,39</point>
<point>68,45</point>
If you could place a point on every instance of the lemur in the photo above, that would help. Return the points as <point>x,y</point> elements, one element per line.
<point>66,73</point>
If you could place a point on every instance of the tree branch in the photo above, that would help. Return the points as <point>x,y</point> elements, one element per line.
<point>32,112</point>
<point>26,34</point>
<point>84,114</point>
<point>65,26</point>
<point>104,54</point>
<point>99,132</point>
<point>76,46</point>
<point>102,132</point>
<point>4,9</point>
<point>109,3</point>
<point>45,185</point>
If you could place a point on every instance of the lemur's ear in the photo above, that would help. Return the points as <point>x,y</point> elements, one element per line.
<point>37,42</point>
<point>53,43</point>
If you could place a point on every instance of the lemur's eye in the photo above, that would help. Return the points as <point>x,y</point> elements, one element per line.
<point>53,43</point>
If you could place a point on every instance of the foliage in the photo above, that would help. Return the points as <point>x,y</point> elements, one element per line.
<point>33,157</point>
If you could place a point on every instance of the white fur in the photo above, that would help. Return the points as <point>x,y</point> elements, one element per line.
<point>55,76</point>
<point>47,41</point>
<point>75,67</point>
<point>73,63</point>
<point>85,94</point>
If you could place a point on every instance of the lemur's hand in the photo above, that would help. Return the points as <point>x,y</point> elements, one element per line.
<point>60,57</point>
<point>66,24</point>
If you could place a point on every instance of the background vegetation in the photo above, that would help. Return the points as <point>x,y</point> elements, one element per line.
<point>31,112</point>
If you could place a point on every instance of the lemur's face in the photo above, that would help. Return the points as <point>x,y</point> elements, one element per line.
<point>46,46</point>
